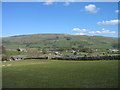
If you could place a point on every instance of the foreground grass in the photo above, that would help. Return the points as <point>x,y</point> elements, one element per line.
<point>60,74</point>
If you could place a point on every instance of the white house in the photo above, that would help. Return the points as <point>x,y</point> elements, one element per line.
<point>113,50</point>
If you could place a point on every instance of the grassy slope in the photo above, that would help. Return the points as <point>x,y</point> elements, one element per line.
<point>60,74</point>
<point>51,40</point>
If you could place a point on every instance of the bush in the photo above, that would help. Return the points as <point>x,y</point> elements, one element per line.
<point>5,58</point>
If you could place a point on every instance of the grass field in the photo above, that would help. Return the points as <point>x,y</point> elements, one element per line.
<point>60,74</point>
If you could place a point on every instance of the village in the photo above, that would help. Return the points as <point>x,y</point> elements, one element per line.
<point>58,54</point>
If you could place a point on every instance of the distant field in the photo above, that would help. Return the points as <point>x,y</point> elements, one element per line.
<point>62,52</point>
<point>60,74</point>
<point>16,53</point>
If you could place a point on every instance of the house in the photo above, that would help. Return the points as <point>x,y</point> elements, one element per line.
<point>73,51</point>
<point>17,57</point>
<point>57,53</point>
<point>94,49</point>
<point>40,50</point>
<point>113,51</point>
<point>97,49</point>
<point>21,50</point>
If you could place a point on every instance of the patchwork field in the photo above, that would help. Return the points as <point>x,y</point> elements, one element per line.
<point>60,74</point>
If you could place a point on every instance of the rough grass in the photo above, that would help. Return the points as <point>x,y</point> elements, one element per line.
<point>60,74</point>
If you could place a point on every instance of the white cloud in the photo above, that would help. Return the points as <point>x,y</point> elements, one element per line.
<point>91,8</point>
<point>71,0</point>
<point>91,32</point>
<point>51,2</point>
<point>48,2</point>
<point>80,33</point>
<point>111,22</point>
<point>103,31</point>
<point>66,3</point>
<point>79,30</point>
<point>117,11</point>
<point>99,32</point>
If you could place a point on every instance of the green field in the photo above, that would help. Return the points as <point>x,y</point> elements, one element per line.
<point>60,74</point>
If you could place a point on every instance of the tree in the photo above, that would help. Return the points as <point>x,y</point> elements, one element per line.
<point>73,48</point>
<point>3,50</point>
<point>75,53</point>
<point>44,51</point>
<point>57,37</point>
<point>80,46</point>
<point>5,55</point>
<point>87,50</point>
<point>68,38</point>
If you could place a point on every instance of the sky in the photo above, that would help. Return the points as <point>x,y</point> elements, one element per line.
<point>75,18</point>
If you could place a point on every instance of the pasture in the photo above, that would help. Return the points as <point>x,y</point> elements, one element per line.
<point>60,74</point>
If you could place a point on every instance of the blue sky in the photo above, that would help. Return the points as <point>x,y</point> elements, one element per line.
<point>76,18</point>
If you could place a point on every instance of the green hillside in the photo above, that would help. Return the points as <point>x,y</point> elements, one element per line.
<point>59,41</point>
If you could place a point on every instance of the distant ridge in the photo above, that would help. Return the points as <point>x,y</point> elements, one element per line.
<point>55,34</point>
<point>40,34</point>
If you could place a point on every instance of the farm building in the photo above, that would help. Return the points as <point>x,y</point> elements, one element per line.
<point>57,53</point>
<point>21,50</point>
<point>113,51</point>
<point>17,57</point>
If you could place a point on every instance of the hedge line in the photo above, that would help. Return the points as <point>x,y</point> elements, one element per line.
<point>81,58</point>
<point>89,58</point>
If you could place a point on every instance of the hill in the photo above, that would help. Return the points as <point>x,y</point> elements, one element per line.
<point>59,41</point>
